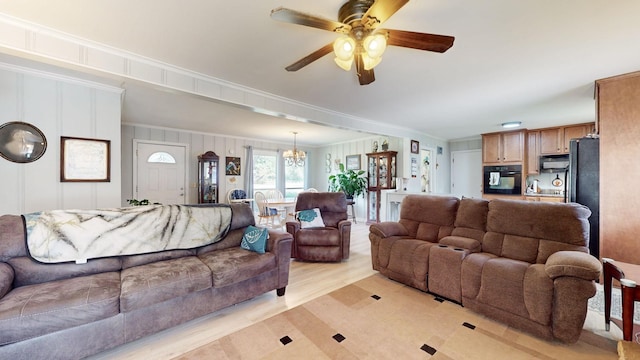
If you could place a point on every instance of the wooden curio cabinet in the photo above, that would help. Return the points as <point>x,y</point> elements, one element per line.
<point>208,165</point>
<point>381,167</point>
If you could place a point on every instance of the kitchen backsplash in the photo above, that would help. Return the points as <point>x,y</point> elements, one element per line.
<point>546,183</point>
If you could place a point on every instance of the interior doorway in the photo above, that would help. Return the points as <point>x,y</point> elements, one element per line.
<point>159,172</point>
<point>466,173</point>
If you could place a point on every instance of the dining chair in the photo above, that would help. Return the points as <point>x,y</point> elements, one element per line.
<point>628,275</point>
<point>265,212</point>
<point>276,196</point>
<point>236,194</point>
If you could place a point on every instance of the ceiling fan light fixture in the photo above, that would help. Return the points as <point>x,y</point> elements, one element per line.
<point>375,45</point>
<point>344,47</point>
<point>370,62</point>
<point>344,64</point>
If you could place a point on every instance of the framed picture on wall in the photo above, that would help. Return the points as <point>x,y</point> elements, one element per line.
<point>85,160</point>
<point>415,147</point>
<point>353,162</point>
<point>232,165</point>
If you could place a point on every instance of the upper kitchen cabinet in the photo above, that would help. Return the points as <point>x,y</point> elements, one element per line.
<point>533,152</point>
<point>556,140</point>
<point>503,147</point>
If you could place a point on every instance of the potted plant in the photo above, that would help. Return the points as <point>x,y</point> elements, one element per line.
<point>351,182</point>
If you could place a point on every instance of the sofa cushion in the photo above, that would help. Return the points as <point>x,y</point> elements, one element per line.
<point>255,239</point>
<point>428,217</point>
<point>502,285</point>
<point>318,237</point>
<point>471,218</point>
<point>409,261</point>
<point>233,265</point>
<point>29,271</point>
<point>163,280</point>
<point>35,310</point>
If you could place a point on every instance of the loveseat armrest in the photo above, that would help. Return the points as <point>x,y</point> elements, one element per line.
<point>388,228</point>
<point>574,264</point>
<point>6,278</point>
<point>461,242</point>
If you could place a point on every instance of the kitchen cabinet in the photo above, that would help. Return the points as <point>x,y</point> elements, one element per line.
<point>533,152</point>
<point>556,140</point>
<point>208,166</point>
<point>503,148</point>
<point>381,167</point>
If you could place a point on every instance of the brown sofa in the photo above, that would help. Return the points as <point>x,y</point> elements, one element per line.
<point>70,311</point>
<point>522,263</point>
<point>330,242</point>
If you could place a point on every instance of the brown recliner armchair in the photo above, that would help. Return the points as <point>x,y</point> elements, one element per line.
<point>327,243</point>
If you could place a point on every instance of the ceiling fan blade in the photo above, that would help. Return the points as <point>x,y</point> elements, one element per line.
<point>365,77</point>
<point>381,11</point>
<point>310,58</point>
<point>299,18</point>
<point>420,41</point>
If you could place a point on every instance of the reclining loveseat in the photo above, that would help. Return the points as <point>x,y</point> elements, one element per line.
<point>522,263</point>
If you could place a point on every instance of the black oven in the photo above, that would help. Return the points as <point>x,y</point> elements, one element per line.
<point>505,180</point>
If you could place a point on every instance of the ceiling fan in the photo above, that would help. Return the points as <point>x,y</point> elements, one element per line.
<point>362,42</point>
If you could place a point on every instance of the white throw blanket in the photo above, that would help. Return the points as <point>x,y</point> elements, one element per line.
<point>77,235</point>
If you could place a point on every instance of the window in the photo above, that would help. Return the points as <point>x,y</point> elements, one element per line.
<point>161,157</point>
<point>294,177</point>
<point>265,166</point>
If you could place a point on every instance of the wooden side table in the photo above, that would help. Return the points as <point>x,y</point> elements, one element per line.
<point>628,275</point>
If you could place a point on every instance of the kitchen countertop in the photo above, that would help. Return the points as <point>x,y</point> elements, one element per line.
<point>544,195</point>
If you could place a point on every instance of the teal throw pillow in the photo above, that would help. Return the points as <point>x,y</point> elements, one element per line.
<point>310,218</point>
<point>255,239</point>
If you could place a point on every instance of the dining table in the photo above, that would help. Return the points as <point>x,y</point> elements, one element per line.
<point>289,205</point>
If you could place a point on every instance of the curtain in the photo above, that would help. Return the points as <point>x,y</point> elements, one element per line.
<point>248,172</point>
<point>280,179</point>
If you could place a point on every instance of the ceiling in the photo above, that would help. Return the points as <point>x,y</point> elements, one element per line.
<point>528,61</point>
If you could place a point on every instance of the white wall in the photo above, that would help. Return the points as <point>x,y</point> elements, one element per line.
<point>362,147</point>
<point>58,106</point>
<point>199,143</point>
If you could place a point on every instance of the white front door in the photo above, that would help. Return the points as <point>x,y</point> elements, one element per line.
<point>160,175</point>
<point>466,173</point>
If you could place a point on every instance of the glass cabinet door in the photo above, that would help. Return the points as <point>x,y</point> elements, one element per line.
<point>208,176</point>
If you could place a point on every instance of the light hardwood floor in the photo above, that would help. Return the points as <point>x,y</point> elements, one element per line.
<point>306,282</point>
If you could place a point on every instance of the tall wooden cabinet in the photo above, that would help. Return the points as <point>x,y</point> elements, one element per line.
<point>618,122</point>
<point>381,167</point>
<point>208,166</point>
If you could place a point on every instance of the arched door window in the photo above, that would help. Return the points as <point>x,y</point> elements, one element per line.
<point>161,157</point>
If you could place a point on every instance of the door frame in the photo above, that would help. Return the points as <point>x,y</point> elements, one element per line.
<point>187,167</point>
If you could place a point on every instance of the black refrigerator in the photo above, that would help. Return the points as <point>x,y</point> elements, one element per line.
<point>583,184</point>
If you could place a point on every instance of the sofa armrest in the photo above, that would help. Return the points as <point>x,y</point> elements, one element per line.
<point>6,278</point>
<point>278,239</point>
<point>460,242</point>
<point>388,228</point>
<point>574,264</point>
<point>293,227</point>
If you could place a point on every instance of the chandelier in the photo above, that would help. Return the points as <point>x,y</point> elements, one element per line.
<point>294,157</point>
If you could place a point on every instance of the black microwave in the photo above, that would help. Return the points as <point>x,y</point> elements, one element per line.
<point>504,179</point>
